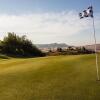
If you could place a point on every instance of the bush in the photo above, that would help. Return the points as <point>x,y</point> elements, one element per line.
<point>19,46</point>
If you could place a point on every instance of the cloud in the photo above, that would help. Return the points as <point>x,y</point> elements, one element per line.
<point>50,26</point>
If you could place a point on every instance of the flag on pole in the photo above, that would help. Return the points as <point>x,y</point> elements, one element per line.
<point>87,13</point>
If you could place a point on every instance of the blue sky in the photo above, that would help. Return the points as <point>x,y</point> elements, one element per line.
<point>29,6</point>
<point>48,21</point>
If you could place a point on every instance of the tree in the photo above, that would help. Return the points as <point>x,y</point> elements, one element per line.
<point>59,49</point>
<point>21,46</point>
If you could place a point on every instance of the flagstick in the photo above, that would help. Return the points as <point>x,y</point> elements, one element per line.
<point>96,51</point>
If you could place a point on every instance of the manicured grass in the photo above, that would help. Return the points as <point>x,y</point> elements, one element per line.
<point>49,78</point>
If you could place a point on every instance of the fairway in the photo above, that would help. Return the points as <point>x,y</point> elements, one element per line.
<point>49,78</point>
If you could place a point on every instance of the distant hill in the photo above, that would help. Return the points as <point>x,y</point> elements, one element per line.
<point>52,45</point>
<point>91,47</point>
<point>64,45</point>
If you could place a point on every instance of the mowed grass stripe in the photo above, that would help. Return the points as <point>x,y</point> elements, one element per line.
<point>50,78</point>
<point>32,62</point>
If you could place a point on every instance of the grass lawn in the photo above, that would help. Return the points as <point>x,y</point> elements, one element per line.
<point>49,78</point>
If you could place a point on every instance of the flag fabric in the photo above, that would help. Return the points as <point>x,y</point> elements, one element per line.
<point>87,13</point>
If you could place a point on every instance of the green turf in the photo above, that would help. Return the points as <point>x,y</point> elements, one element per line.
<point>49,78</point>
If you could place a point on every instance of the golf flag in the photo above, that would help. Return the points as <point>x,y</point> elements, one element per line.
<point>87,13</point>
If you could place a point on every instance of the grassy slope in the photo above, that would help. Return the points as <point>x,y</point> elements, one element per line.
<point>49,78</point>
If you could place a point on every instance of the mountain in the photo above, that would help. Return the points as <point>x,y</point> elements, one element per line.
<point>91,47</point>
<point>64,45</point>
<point>52,45</point>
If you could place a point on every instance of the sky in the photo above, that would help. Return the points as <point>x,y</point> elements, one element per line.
<point>50,21</point>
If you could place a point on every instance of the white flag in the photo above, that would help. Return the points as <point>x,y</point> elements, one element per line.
<point>87,13</point>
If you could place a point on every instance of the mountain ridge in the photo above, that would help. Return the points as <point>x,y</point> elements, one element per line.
<point>64,45</point>
<point>52,45</point>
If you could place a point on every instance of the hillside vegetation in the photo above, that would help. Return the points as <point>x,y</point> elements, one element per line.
<point>49,78</point>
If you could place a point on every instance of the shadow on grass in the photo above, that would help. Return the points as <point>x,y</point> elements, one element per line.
<point>3,57</point>
<point>8,56</point>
